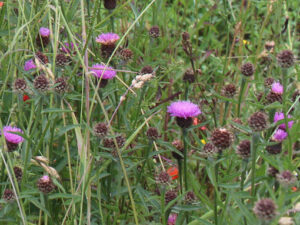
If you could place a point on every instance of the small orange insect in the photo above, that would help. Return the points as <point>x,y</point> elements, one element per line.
<point>173,172</point>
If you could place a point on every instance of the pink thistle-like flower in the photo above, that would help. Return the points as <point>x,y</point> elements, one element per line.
<point>107,38</point>
<point>67,47</point>
<point>280,135</point>
<point>184,109</point>
<point>277,88</point>
<point>9,135</point>
<point>280,116</point>
<point>172,219</point>
<point>44,32</point>
<point>29,65</point>
<point>103,72</point>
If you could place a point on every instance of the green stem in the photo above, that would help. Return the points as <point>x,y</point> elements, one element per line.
<point>243,84</point>
<point>285,110</point>
<point>244,168</point>
<point>225,113</point>
<point>180,175</point>
<point>254,144</point>
<point>216,189</point>
<point>162,199</point>
<point>184,135</point>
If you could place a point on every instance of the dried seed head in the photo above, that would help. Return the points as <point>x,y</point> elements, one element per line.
<point>45,184</point>
<point>285,58</point>
<point>244,149</point>
<point>110,4</point>
<point>247,69</point>
<point>265,209</point>
<point>20,85</point>
<point>61,85</point>
<point>41,83</point>
<point>154,32</point>
<point>126,54</point>
<point>163,178</point>
<point>295,95</point>
<point>222,138</point>
<point>18,173</point>
<point>185,36</point>
<point>189,76</point>
<point>275,148</point>
<point>62,59</point>
<point>190,197</point>
<point>42,57</point>
<point>109,142</point>
<point>229,90</point>
<point>100,130</point>
<point>286,178</point>
<point>269,45</point>
<point>8,195</point>
<point>209,149</point>
<point>273,97</point>
<point>147,70</point>
<point>170,196</point>
<point>186,44</point>
<point>179,146</point>
<point>272,171</point>
<point>258,121</point>
<point>269,81</point>
<point>152,133</point>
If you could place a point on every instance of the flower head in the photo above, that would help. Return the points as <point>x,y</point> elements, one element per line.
<point>172,219</point>
<point>29,65</point>
<point>183,109</point>
<point>277,88</point>
<point>10,136</point>
<point>44,32</point>
<point>280,135</point>
<point>265,209</point>
<point>67,47</point>
<point>105,72</point>
<point>107,38</point>
<point>280,116</point>
<point>286,178</point>
<point>285,58</point>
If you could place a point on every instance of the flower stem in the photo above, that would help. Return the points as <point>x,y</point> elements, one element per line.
<point>244,168</point>
<point>225,112</point>
<point>162,199</point>
<point>254,144</point>
<point>180,175</point>
<point>243,84</point>
<point>285,110</point>
<point>216,189</point>
<point>184,135</point>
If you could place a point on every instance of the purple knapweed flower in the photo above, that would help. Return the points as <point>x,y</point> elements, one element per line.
<point>184,109</point>
<point>107,38</point>
<point>29,65</point>
<point>67,47</point>
<point>172,219</point>
<point>277,88</point>
<point>280,135</point>
<point>11,137</point>
<point>44,32</point>
<point>280,116</point>
<point>103,72</point>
